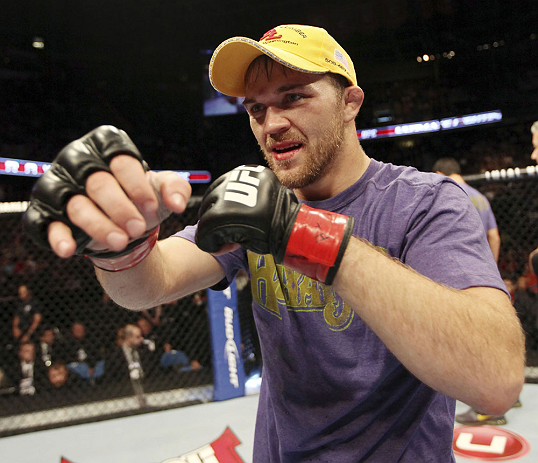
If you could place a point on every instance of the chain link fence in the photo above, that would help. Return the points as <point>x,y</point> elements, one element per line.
<point>63,355</point>
<point>81,372</point>
<point>515,204</point>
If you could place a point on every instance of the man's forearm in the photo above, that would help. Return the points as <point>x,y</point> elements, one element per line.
<point>165,274</point>
<point>35,323</point>
<point>136,288</point>
<point>494,241</point>
<point>443,336</point>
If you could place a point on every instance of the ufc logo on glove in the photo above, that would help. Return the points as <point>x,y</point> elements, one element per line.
<point>242,188</point>
<point>250,207</point>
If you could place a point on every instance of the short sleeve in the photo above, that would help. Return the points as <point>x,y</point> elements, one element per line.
<point>231,262</point>
<point>446,241</point>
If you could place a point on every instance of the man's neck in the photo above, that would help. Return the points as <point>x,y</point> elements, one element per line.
<point>347,168</point>
<point>457,178</point>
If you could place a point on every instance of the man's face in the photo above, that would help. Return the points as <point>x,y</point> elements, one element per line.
<point>534,154</point>
<point>58,376</point>
<point>47,337</point>
<point>144,325</point>
<point>78,330</point>
<point>27,353</point>
<point>24,292</point>
<point>135,339</point>
<point>297,120</point>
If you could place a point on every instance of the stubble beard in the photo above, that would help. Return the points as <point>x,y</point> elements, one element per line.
<point>318,157</point>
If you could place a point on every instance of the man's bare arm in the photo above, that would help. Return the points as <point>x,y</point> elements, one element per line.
<point>174,268</point>
<point>494,241</point>
<point>467,344</point>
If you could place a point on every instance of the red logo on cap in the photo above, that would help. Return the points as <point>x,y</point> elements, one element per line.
<point>271,35</point>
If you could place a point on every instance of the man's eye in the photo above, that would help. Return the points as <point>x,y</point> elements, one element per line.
<point>254,109</point>
<point>294,97</point>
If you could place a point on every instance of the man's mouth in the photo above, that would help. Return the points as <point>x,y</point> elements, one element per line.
<point>282,151</point>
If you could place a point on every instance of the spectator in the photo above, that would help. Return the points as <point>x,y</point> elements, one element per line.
<point>168,356</point>
<point>526,304</point>
<point>451,168</point>
<point>131,360</point>
<point>533,257</point>
<point>82,354</point>
<point>27,316</point>
<point>153,315</point>
<point>63,386</point>
<point>25,373</point>
<point>48,348</point>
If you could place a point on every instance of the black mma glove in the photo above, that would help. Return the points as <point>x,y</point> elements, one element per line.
<point>249,206</point>
<point>67,178</point>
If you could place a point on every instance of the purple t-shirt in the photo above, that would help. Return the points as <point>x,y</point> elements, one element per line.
<point>331,390</point>
<point>482,205</point>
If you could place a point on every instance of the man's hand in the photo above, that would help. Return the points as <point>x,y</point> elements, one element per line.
<point>99,196</point>
<point>17,333</point>
<point>250,207</point>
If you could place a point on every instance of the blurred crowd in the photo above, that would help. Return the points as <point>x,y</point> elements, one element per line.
<point>56,357</point>
<point>43,113</point>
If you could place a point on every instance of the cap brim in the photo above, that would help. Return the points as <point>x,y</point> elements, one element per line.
<point>232,58</point>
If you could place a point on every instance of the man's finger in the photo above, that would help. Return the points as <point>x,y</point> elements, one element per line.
<point>61,239</point>
<point>131,176</point>
<point>83,213</point>
<point>175,190</point>
<point>104,190</point>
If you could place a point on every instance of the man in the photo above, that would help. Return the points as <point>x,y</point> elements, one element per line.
<point>27,374</point>
<point>63,387</point>
<point>367,340</point>
<point>83,355</point>
<point>167,355</point>
<point>451,168</point>
<point>48,349</point>
<point>131,361</point>
<point>27,316</point>
<point>533,257</point>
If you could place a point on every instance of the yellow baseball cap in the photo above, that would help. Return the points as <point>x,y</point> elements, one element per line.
<point>303,48</point>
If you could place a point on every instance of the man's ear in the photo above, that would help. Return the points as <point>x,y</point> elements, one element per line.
<point>353,98</point>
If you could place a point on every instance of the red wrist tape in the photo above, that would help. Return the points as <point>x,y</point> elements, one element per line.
<point>317,243</point>
<point>127,261</point>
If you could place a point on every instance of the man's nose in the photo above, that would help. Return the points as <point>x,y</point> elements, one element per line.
<point>275,121</point>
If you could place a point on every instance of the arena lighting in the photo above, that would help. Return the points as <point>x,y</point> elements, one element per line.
<point>425,58</point>
<point>38,42</point>
<point>24,168</point>
<point>435,125</point>
<point>504,174</point>
<point>14,207</point>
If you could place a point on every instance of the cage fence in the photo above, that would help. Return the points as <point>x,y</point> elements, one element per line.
<point>514,200</point>
<point>55,316</point>
<point>80,370</point>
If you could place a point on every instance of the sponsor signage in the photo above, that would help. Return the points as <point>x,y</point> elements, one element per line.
<point>436,125</point>
<point>228,370</point>
<point>25,168</point>
<point>488,443</point>
<point>221,450</point>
